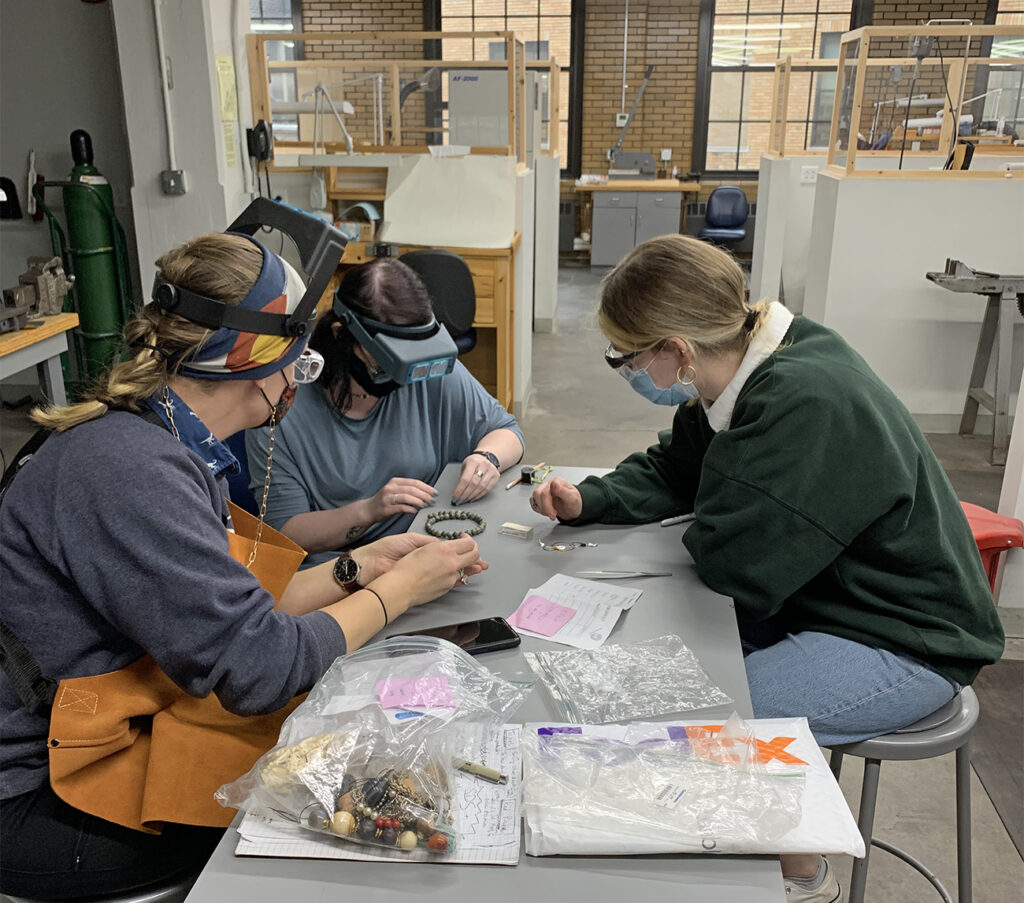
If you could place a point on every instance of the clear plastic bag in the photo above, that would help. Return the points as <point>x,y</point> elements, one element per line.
<point>367,757</point>
<point>692,791</point>
<point>654,677</point>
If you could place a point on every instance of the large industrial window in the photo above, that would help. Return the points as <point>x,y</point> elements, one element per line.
<point>1004,88</point>
<point>544,26</point>
<point>741,40</point>
<point>276,16</point>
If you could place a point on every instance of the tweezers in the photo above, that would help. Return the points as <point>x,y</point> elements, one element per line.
<point>621,575</point>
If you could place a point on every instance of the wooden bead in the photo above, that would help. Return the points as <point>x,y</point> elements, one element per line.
<point>346,803</point>
<point>407,840</point>
<point>343,823</point>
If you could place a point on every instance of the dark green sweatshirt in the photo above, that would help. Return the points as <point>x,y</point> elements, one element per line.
<point>822,507</point>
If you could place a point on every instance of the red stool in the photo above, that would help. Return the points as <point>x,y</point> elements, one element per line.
<point>994,533</point>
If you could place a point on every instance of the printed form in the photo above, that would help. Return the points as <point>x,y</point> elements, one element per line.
<point>573,611</point>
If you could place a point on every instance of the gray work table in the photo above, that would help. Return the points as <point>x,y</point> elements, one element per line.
<point>679,604</point>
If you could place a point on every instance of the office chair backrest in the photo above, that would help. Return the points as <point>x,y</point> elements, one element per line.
<point>727,207</point>
<point>449,284</point>
<point>882,142</point>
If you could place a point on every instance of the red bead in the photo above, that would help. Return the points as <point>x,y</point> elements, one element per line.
<point>396,824</point>
<point>380,822</point>
<point>438,843</point>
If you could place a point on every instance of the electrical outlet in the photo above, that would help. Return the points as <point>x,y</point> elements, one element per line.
<point>172,181</point>
<point>621,119</point>
<point>808,175</point>
<point>666,154</point>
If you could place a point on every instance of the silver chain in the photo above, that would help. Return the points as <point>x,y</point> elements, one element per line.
<point>165,402</point>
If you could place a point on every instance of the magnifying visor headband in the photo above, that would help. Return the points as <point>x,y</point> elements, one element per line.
<point>405,354</point>
<point>271,325</point>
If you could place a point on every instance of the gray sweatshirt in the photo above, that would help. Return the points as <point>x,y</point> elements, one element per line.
<point>113,545</point>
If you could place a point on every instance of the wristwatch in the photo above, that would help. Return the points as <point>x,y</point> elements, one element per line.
<point>346,572</point>
<point>490,456</point>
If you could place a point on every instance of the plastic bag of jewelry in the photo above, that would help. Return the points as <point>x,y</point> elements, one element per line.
<point>650,788</point>
<point>627,682</point>
<point>368,756</point>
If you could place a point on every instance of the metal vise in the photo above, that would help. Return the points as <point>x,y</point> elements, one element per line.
<point>39,292</point>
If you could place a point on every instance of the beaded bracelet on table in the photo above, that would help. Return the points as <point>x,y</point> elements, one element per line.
<point>454,514</point>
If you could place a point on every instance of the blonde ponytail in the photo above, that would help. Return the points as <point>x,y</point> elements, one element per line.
<point>216,265</point>
<point>676,285</point>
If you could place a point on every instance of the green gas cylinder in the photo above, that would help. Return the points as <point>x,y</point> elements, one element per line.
<point>89,208</point>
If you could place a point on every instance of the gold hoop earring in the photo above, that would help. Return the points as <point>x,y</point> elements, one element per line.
<point>686,382</point>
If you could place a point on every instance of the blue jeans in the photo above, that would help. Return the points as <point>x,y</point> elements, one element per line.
<point>847,691</point>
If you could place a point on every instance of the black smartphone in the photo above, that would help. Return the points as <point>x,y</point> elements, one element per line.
<point>485,635</point>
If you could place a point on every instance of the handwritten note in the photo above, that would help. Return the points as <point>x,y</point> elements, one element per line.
<point>594,608</point>
<point>400,692</point>
<point>540,615</point>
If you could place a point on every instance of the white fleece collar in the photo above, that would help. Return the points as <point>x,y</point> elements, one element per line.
<point>776,323</point>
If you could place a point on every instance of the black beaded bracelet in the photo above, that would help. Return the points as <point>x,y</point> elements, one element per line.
<point>455,514</point>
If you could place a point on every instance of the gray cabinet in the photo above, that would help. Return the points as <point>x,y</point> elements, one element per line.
<point>623,219</point>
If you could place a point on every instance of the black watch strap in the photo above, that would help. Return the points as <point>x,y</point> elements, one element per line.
<point>490,456</point>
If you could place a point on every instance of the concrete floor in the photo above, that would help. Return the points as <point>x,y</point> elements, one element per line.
<point>581,412</point>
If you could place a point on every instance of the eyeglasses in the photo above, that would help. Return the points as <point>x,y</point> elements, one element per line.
<point>616,359</point>
<point>308,366</point>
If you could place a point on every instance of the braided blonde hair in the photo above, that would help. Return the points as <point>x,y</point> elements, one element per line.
<point>219,266</point>
<point>676,285</point>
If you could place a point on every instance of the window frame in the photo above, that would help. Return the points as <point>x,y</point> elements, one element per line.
<point>860,14</point>
<point>572,155</point>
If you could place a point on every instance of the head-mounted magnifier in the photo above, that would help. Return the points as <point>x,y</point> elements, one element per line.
<point>320,247</point>
<point>405,354</point>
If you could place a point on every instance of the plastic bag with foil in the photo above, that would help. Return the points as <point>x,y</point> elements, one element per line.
<point>367,757</point>
<point>652,790</point>
<point>654,677</point>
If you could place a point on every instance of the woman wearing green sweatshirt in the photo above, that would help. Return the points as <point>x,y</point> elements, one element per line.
<point>820,508</point>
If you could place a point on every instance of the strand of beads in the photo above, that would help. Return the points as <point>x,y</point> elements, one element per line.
<point>454,514</point>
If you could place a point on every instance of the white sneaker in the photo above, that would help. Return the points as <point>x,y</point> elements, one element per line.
<point>828,891</point>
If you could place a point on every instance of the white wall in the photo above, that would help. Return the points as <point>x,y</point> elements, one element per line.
<point>522,299</point>
<point>194,32</point>
<point>770,226</point>
<point>545,259</point>
<point>871,244</point>
<point>59,74</point>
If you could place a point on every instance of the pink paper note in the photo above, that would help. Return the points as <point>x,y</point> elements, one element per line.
<point>540,615</point>
<point>429,692</point>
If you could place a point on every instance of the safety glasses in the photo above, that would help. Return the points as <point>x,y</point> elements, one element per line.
<point>308,366</point>
<point>617,359</point>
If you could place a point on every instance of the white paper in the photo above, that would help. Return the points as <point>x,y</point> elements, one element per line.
<point>489,824</point>
<point>598,605</point>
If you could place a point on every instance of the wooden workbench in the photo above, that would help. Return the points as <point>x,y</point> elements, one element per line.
<point>41,343</point>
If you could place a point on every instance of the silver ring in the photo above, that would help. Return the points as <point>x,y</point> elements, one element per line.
<point>463,579</point>
<point>479,473</point>
<point>394,498</point>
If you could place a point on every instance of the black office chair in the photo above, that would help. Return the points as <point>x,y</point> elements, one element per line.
<point>450,286</point>
<point>727,211</point>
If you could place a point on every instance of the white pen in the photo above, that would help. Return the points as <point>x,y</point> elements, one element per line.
<point>681,519</point>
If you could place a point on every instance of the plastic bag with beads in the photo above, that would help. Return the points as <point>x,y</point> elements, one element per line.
<point>368,756</point>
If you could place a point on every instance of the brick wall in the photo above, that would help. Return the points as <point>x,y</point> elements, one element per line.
<point>661,32</point>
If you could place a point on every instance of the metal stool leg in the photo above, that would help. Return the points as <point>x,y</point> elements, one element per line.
<point>865,821</point>
<point>963,823</point>
<point>835,762</point>
<point>975,390</point>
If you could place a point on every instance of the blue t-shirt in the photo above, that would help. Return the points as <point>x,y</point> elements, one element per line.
<point>323,460</point>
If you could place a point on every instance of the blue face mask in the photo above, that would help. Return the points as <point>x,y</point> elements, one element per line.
<point>642,384</point>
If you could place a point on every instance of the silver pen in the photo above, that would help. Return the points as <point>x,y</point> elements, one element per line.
<point>681,519</point>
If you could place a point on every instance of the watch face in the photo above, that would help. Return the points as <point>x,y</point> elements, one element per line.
<point>346,570</point>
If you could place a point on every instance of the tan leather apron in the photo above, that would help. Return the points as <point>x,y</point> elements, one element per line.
<point>132,748</point>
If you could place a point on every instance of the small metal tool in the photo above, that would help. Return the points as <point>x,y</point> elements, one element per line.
<point>621,575</point>
<point>481,771</point>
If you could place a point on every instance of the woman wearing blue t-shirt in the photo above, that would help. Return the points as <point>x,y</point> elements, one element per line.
<point>358,458</point>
